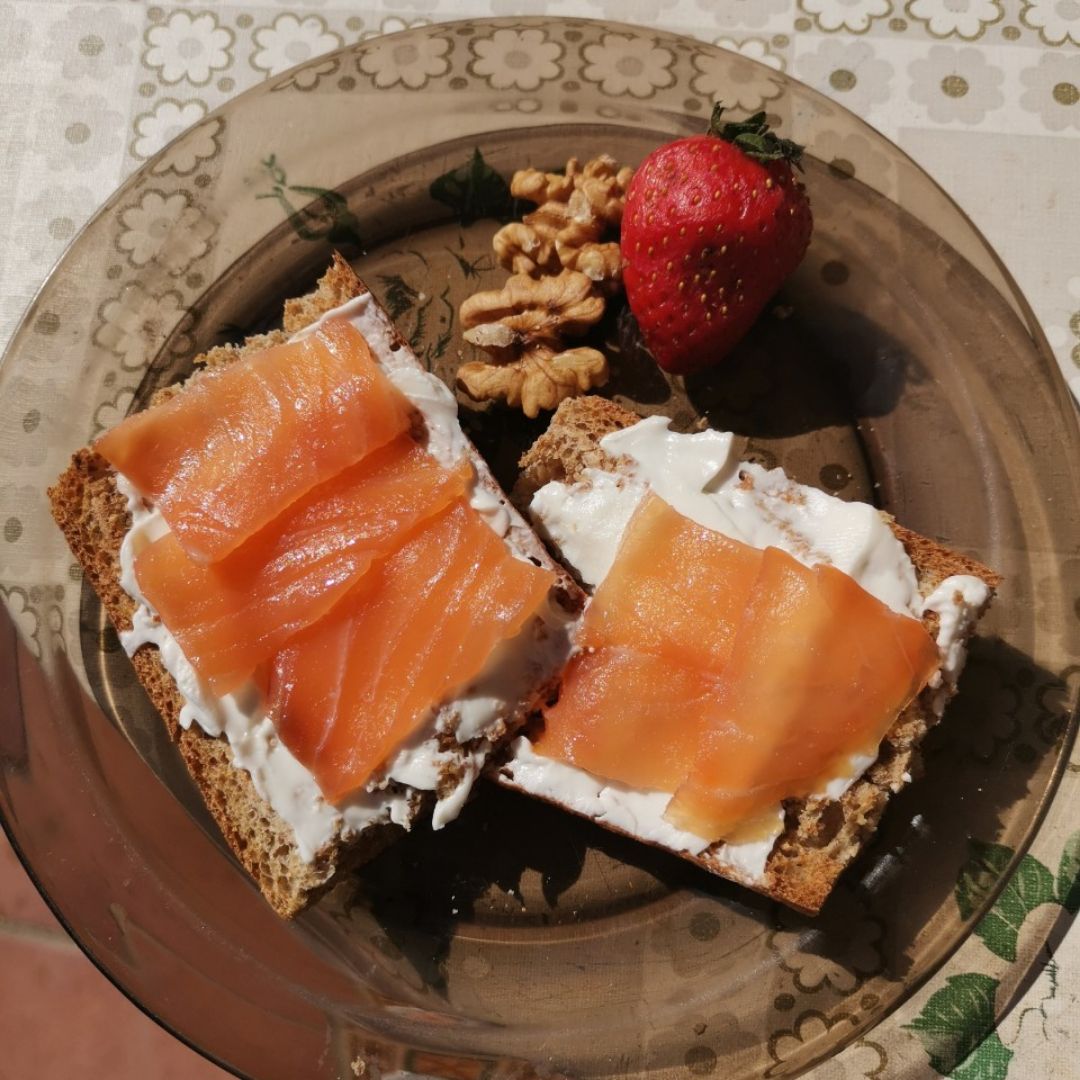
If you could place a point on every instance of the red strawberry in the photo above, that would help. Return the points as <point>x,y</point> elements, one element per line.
<point>713,225</point>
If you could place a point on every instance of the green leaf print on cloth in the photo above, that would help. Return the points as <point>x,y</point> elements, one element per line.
<point>326,216</point>
<point>1030,886</point>
<point>1068,879</point>
<point>954,1026</point>
<point>474,190</point>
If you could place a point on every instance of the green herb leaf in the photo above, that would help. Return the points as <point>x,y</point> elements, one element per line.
<point>955,1021</point>
<point>1068,879</point>
<point>474,190</point>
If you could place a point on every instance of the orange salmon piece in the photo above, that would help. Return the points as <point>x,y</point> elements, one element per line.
<point>675,589</point>
<point>241,443</point>
<point>819,671</point>
<point>632,717</point>
<point>239,611</point>
<point>345,693</point>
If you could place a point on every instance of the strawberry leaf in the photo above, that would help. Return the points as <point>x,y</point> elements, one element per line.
<point>754,137</point>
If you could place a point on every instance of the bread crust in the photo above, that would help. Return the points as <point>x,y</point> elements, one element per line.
<point>821,837</point>
<point>93,515</point>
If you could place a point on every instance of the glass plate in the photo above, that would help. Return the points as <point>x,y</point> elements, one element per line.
<point>900,364</point>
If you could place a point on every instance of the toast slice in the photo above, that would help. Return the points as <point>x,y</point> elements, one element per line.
<point>94,516</point>
<point>820,836</point>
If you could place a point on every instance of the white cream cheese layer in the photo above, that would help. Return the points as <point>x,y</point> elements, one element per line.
<point>700,477</point>
<point>423,763</point>
<point>638,813</point>
<point>958,602</point>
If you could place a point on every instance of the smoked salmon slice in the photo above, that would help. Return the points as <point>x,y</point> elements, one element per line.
<point>243,442</point>
<point>819,671</point>
<point>628,716</point>
<point>237,612</point>
<point>675,588</point>
<point>345,693</point>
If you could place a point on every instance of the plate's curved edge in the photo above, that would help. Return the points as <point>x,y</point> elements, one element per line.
<point>86,951</point>
<point>1033,327</point>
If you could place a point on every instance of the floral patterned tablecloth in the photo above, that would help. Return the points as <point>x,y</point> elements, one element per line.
<point>985,94</point>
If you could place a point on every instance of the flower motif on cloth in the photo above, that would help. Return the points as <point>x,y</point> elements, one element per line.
<point>290,41</point>
<point>963,18</point>
<point>843,949</point>
<point>790,1044</point>
<point>735,15</point>
<point>855,156</point>
<point>622,64</point>
<point>392,24</point>
<point>308,76</point>
<point>43,225</point>
<point>1057,21</point>
<point>862,1060</point>
<point>22,614</point>
<point>738,81</point>
<point>518,8</point>
<point>190,47</point>
<point>77,131</point>
<point>109,413</point>
<point>956,84</point>
<point>162,124</point>
<point>1053,89</point>
<point>646,12</point>
<point>853,15</point>
<point>849,71</point>
<point>166,228</point>
<point>134,325</point>
<point>519,59</point>
<point>198,145</point>
<point>411,63</point>
<point>91,42</point>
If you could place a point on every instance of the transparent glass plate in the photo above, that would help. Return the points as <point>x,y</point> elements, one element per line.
<point>900,364</point>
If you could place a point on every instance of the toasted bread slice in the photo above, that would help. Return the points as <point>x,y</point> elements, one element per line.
<point>93,515</point>
<point>821,836</point>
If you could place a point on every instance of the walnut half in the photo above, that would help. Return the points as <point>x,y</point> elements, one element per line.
<point>540,379</point>
<point>522,327</point>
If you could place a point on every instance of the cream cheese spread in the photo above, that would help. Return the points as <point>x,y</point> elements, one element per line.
<point>700,477</point>
<point>421,764</point>
<point>637,813</point>
<point>958,602</point>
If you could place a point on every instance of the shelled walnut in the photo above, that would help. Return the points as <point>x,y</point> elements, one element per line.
<point>565,261</point>
<point>522,327</point>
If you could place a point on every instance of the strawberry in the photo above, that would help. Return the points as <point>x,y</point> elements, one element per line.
<point>712,227</point>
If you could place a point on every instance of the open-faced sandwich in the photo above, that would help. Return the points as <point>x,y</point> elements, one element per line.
<point>331,603</point>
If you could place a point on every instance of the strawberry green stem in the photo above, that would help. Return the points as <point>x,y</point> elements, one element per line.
<point>754,137</point>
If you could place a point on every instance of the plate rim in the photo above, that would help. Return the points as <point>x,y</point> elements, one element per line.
<point>1024,311</point>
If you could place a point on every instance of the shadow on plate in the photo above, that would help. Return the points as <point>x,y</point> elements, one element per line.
<point>511,862</point>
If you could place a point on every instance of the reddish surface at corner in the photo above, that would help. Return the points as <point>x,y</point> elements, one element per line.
<point>59,1015</point>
